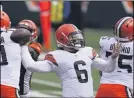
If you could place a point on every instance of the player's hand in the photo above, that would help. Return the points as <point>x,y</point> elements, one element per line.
<point>36,46</point>
<point>116,50</point>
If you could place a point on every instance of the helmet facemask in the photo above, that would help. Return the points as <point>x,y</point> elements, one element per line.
<point>76,40</point>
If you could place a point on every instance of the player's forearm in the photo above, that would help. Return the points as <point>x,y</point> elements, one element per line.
<point>31,65</point>
<point>106,66</point>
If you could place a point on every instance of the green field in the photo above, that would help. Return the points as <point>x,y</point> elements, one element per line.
<point>50,84</point>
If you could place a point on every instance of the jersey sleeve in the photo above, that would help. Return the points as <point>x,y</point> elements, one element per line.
<point>102,40</point>
<point>103,65</point>
<point>31,65</point>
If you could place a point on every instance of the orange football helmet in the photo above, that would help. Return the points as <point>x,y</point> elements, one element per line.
<point>124,29</point>
<point>31,26</point>
<point>4,20</point>
<point>69,36</point>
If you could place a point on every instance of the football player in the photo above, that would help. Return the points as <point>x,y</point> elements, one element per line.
<point>119,83</point>
<point>10,61</point>
<point>71,61</point>
<point>35,50</point>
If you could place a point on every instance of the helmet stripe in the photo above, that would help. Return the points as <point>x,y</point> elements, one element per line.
<point>120,24</point>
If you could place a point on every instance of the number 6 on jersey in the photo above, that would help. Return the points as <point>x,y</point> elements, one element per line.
<point>80,72</point>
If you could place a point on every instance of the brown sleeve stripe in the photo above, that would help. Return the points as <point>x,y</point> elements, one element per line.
<point>50,58</point>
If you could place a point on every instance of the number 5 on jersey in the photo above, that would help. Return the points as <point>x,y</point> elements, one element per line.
<point>120,61</point>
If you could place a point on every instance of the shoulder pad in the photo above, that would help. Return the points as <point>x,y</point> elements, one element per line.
<point>102,39</point>
<point>87,49</point>
<point>90,52</point>
<point>55,52</point>
<point>105,37</point>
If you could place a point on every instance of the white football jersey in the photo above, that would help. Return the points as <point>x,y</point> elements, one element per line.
<point>10,60</point>
<point>74,71</point>
<point>123,73</point>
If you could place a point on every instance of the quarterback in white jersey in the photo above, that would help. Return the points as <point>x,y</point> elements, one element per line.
<point>10,60</point>
<point>119,83</point>
<point>11,64</point>
<point>71,62</point>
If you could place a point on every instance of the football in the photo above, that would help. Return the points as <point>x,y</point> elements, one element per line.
<point>21,36</point>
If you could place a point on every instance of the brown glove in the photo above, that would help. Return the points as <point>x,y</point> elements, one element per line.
<point>36,46</point>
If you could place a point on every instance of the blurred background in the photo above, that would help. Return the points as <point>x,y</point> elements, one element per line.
<point>94,18</point>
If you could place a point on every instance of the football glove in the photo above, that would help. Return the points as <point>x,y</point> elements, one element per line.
<point>36,46</point>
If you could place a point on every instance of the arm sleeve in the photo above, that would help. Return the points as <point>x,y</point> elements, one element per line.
<point>102,65</point>
<point>31,65</point>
